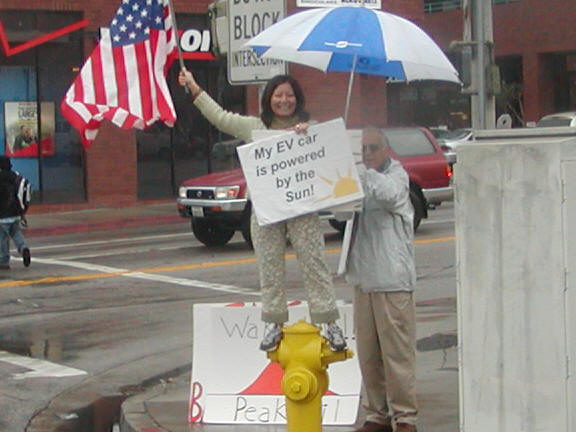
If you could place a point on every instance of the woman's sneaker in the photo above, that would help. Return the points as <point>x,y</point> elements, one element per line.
<point>272,336</point>
<point>335,337</point>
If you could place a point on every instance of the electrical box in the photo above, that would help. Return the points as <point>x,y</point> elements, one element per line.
<point>515,201</point>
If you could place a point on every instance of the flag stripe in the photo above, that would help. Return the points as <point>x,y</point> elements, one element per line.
<point>97,78</point>
<point>81,109</point>
<point>121,89</point>
<point>86,83</point>
<point>119,116</point>
<point>152,82</point>
<point>131,62</point>
<point>167,42</point>
<point>109,75</point>
<point>143,58</point>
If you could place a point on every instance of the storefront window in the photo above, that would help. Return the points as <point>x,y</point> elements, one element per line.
<point>167,156</point>
<point>34,81</point>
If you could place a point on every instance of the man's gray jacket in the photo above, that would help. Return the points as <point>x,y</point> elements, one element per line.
<point>382,254</point>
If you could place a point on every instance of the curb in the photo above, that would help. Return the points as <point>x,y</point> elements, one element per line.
<point>135,414</point>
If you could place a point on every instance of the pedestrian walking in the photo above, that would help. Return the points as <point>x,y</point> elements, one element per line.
<point>381,269</point>
<point>14,198</point>
<point>282,108</point>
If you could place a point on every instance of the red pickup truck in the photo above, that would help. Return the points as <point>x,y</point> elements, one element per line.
<point>217,204</point>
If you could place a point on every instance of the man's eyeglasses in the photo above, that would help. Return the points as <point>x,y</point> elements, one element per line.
<point>372,147</point>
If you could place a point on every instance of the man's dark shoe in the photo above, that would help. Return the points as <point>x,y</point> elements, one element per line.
<point>4,266</point>
<point>374,427</point>
<point>26,257</point>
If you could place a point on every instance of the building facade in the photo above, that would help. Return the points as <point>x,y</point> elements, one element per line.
<point>43,44</point>
<point>534,48</point>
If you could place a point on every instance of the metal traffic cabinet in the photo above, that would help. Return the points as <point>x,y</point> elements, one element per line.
<point>515,206</point>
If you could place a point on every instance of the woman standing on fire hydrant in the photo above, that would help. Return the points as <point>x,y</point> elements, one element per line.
<point>282,108</point>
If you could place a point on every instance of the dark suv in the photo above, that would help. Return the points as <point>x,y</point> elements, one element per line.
<point>217,204</point>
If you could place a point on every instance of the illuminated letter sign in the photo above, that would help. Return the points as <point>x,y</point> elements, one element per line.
<point>195,45</point>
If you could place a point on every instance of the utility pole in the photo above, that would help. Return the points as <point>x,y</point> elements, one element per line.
<point>484,77</point>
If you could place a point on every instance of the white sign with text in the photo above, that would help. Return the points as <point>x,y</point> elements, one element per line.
<point>247,18</point>
<point>293,174</point>
<point>233,382</point>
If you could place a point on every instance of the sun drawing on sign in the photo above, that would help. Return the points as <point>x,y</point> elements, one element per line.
<point>342,187</point>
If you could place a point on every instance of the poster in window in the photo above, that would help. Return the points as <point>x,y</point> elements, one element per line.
<point>22,129</point>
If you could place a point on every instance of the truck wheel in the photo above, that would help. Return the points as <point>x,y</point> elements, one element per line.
<point>418,208</point>
<point>246,232</point>
<point>210,233</point>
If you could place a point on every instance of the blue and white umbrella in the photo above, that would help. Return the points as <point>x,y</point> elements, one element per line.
<point>355,39</point>
<point>329,39</point>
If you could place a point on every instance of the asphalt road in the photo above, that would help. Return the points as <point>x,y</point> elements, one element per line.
<point>104,313</point>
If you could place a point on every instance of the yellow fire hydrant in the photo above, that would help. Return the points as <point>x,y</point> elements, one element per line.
<point>304,356</point>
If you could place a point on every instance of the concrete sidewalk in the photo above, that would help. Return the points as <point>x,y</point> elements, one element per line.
<point>163,408</point>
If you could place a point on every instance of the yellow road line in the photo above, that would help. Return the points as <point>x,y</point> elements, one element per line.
<point>59,279</point>
<point>168,269</point>
<point>435,240</point>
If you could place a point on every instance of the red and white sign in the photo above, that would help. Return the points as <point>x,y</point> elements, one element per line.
<point>195,44</point>
<point>233,382</point>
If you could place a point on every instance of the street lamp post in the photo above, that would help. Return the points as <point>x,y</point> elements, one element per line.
<point>478,34</point>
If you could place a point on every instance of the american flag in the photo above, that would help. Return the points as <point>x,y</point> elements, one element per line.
<point>123,80</point>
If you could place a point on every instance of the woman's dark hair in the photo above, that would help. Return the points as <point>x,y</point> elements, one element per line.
<point>267,114</point>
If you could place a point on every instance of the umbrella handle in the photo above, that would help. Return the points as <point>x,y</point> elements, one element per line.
<point>350,84</point>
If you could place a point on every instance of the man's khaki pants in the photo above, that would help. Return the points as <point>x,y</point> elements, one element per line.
<point>385,324</point>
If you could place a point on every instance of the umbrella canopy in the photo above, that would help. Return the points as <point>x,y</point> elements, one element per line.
<point>356,39</point>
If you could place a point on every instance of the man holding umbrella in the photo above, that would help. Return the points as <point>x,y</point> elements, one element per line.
<point>381,268</point>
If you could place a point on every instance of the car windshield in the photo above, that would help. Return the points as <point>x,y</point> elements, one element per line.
<point>456,134</point>
<point>439,132</point>
<point>409,142</point>
<point>554,121</point>
<point>223,155</point>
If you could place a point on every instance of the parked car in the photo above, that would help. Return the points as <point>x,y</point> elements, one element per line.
<point>217,206</point>
<point>567,118</point>
<point>451,139</point>
<point>439,131</point>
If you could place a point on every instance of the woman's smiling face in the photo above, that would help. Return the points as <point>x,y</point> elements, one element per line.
<point>283,100</point>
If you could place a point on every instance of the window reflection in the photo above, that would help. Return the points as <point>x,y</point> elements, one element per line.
<point>168,156</point>
<point>42,75</point>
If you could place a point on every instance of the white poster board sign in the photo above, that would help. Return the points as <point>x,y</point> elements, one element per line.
<point>292,174</point>
<point>355,137</point>
<point>233,382</point>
